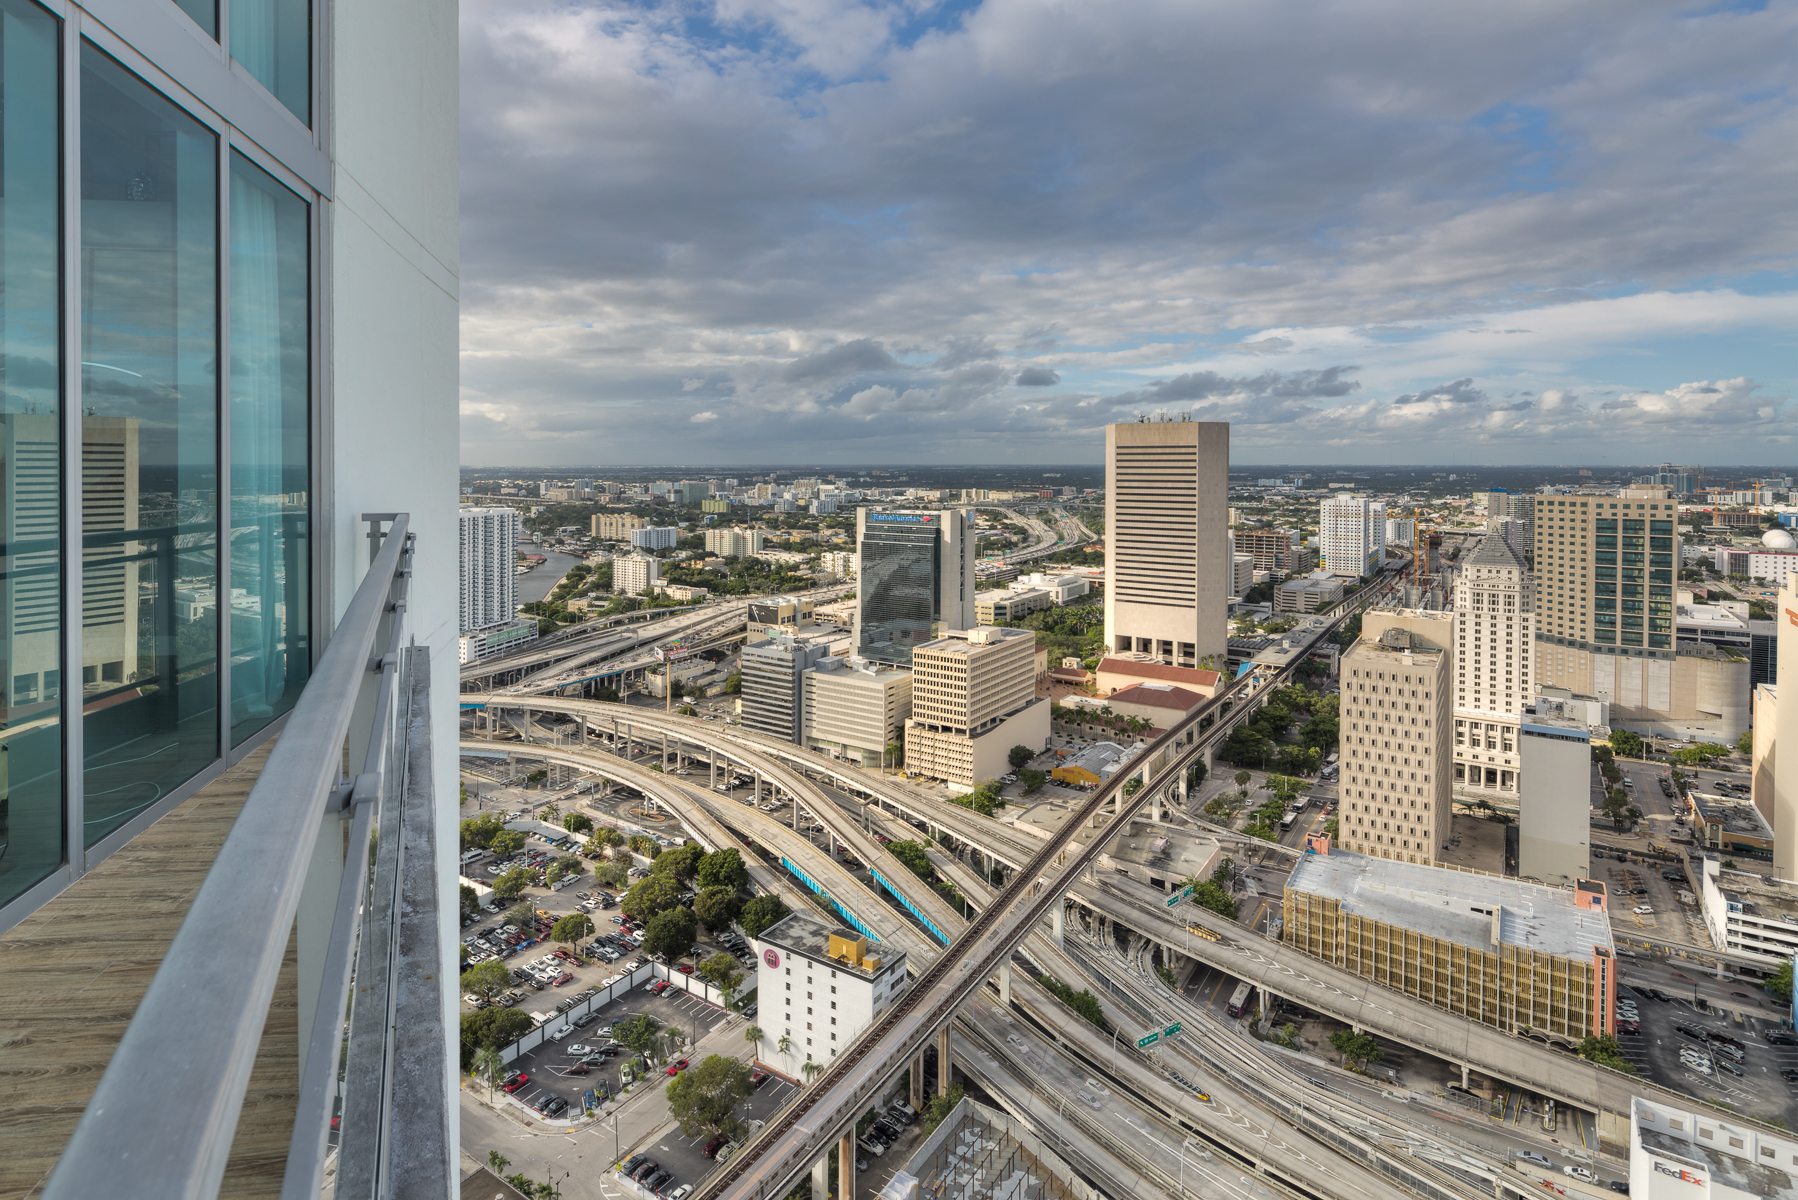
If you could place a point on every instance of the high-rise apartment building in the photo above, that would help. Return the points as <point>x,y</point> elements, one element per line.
<point>654,537</point>
<point>735,543</point>
<point>1395,739</point>
<point>773,685</point>
<point>1168,569</point>
<point>615,527</point>
<point>915,580</point>
<point>1775,764</point>
<point>1272,549</point>
<point>973,698</point>
<point>1495,642</point>
<point>1606,569</point>
<point>1351,535</point>
<point>228,332</point>
<point>635,574</point>
<point>489,556</point>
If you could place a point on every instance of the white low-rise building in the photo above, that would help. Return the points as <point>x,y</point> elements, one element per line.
<point>1688,1154</point>
<point>496,639</point>
<point>854,709</point>
<point>818,987</point>
<point>1749,915</point>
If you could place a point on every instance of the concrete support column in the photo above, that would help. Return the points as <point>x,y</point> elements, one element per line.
<point>821,1179</point>
<point>1466,1075</point>
<point>942,1060</point>
<point>1005,983</point>
<point>917,1083</point>
<point>846,1165</point>
<point>1155,810</point>
<point>1058,922</point>
<point>713,773</point>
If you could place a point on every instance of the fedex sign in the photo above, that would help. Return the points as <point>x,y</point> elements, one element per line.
<point>1679,1173</point>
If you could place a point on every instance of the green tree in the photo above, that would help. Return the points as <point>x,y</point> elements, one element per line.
<point>512,883</point>
<point>752,1034</point>
<point>491,1029</point>
<point>1626,744</point>
<point>1032,779</point>
<point>570,929</point>
<point>1745,743</point>
<point>506,843</point>
<point>497,1162</point>
<point>762,912</point>
<point>577,822</point>
<point>721,868</point>
<point>486,979</point>
<point>704,1097</point>
<point>640,1034</point>
<point>611,874</point>
<point>478,832</point>
<point>469,900</point>
<point>654,893</point>
<point>733,683</point>
<point>1019,757</point>
<point>1603,1050</point>
<point>1779,984</point>
<point>561,869</point>
<point>716,908</point>
<point>722,970</point>
<point>669,935</point>
<point>1083,1003</point>
<point>488,1068</point>
<point>643,844</point>
<point>915,855</point>
<point>939,1108</point>
<point>1242,778</point>
<point>1356,1049</point>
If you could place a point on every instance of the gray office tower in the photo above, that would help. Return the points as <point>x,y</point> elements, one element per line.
<point>916,580</point>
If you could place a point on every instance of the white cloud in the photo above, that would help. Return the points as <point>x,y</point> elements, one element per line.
<point>703,418</point>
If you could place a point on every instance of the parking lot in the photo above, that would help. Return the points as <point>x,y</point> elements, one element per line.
<point>553,1068</point>
<point>1670,1025</point>
<point>684,1157</point>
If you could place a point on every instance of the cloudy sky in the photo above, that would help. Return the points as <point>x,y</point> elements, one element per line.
<point>901,231</point>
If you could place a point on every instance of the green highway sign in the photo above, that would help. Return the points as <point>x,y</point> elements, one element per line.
<point>1171,1030</point>
<point>1148,1039</point>
<point>1182,894</point>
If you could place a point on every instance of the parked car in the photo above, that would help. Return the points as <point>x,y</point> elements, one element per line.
<point>677,1066</point>
<point>518,1080</point>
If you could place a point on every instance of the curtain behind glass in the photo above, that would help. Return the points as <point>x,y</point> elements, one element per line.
<point>272,40</point>
<point>270,459</point>
<point>31,810</point>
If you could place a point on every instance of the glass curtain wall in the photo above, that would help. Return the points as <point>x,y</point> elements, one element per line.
<point>31,811</point>
<point>149,454</point>
<point>270,460</point>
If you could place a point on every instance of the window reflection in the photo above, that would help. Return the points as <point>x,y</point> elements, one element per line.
<point>149,338</point>
<point>31,810</point>
<point>272,40</point>
<point>204,12</point>
<point>270,373</point>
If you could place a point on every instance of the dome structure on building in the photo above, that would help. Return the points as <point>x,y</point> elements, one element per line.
<point>1779,539</point>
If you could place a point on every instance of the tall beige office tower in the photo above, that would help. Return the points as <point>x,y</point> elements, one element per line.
<point>973,697</point>
<point>1495,640</point>
<point>1167,540</point>
<point>1605,573</point>
<point>1395,745</point>
<point>1781,809</point>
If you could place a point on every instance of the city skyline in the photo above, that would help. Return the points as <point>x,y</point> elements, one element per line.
<point>980,233</point>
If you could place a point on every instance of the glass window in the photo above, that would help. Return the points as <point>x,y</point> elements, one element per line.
<point>31,812</point>
<point>270,440</point>
<point>149,350</point>
<point>272,39</point>
<point>204,12</point>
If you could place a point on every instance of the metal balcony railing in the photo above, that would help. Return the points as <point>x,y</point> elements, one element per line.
<point>335,846</point>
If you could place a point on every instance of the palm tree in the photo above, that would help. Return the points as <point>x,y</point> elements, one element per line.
<point>753,1035</point>
<point>785,1044</point>
<point>809,1068</point>
<point>487,1068</point>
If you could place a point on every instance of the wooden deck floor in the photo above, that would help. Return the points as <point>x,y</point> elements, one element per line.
<point>72,974</point>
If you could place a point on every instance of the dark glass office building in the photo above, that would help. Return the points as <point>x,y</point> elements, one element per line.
<point>916,578</point>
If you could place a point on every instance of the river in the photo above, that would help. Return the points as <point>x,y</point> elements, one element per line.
<point>538,583</point>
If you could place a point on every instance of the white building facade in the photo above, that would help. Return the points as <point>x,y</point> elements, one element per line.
<point>489,593</point>
<point>1495,639</point>
<point>1351,535</point>
<point>818,987</point>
